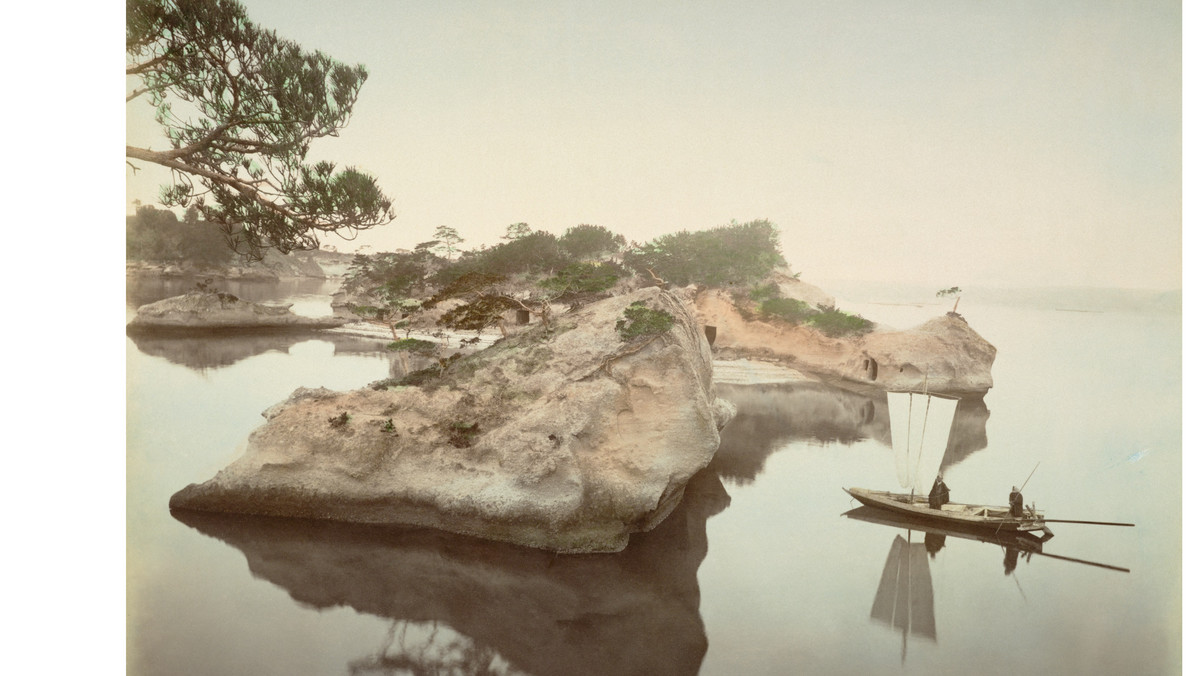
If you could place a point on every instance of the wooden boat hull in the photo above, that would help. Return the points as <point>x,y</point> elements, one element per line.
<point>982,518</point>
<point>1023,540</point>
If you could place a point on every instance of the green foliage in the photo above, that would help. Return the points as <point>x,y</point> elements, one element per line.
<point>590,241</point>
<point>250,105</point>
<point>825,318</point>
<point>392,277</point>
<point>338,421</point>
<point>517,231</point>
<point>733,254</point>
<point>788,309</point>
<point>157,235</point>
<point>390,281</point>
<point>835,323</point>
<point>535,253</point>
<point>415,345</point>
<point>388,427</point>
<point>447,239</point>
<point>952,291</point>
<point>764,291</point>
<point>478,314</point>
<point>579,279</point>
<point>641,320</point>
<point>485,306</point>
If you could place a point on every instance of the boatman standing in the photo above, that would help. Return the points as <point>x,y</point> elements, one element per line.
<point>939,494</point>
<point>1016,503</point>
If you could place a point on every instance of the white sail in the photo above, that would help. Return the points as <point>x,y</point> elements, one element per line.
<point>920,433</point>
<point>900,413</point>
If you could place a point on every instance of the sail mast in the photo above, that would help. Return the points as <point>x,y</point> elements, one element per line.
<point>919,453</point>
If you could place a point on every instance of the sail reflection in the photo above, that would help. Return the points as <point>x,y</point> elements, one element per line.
<point>633,612</point>
<point>771,416</point>
<point>904,600</point>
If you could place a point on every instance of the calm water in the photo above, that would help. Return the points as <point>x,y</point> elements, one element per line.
<point>757,572</point>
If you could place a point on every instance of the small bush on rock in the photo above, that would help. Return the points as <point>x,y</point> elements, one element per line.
<point>643,321</point>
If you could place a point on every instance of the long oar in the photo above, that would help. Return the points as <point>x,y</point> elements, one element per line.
<point>1092,523</point>
<point>1089,563</point>
<point>1022,488</point>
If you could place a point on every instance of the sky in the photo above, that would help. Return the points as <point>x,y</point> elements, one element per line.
<point>1007,143</point>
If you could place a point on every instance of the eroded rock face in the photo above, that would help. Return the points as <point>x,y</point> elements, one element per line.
<point>212,310</point>
<point>568,439</point>
<point>943,355</point>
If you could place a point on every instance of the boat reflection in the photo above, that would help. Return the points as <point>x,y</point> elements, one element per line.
<point>529,610</point>
<point>772,416</point>
<point>904,598</point>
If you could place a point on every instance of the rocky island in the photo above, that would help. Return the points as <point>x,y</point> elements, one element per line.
<point>577,425</point>
<point>568,438</point>
<point>943,355</point>
<point>216,311</point>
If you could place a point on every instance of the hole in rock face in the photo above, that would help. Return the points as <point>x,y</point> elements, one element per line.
<point>872,368</point>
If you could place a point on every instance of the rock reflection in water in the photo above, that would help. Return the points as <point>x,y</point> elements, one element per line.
<point>636,612</point>
<point>204,350</point>
<point>771,416</point>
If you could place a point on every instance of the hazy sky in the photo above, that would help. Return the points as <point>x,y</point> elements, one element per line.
<point>947,143</point>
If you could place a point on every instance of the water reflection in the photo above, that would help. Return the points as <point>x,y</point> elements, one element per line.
<point>904,598</point>
<point>772,416</point>
<point>204,350</point>
<point>143,289</point>
<point>637,612</point>
<point>430,648</point>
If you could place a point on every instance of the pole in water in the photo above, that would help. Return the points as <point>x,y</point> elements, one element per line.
<point>1091,523</point>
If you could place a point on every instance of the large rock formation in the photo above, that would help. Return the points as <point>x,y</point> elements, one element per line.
<point>943,355</point>
<point>213,310</point>
<point>566,439</point>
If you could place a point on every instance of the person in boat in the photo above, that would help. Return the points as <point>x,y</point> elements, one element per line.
<point>1016,503</point>
<point>939,494</point>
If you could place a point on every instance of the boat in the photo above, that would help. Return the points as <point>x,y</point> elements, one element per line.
<point>975,518</point>
<point>1025,541</point>
<point>920,426</point>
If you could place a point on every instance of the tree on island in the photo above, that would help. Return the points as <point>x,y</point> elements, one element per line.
<point>157,235</point>
<point>517,231</point>
<point>240,108</point>
<point>952,291</point>
<point>590,241</point>
<point>392,285</point>
<point>485,305</point>
<point>447,240</point>
<point>739,253</point>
